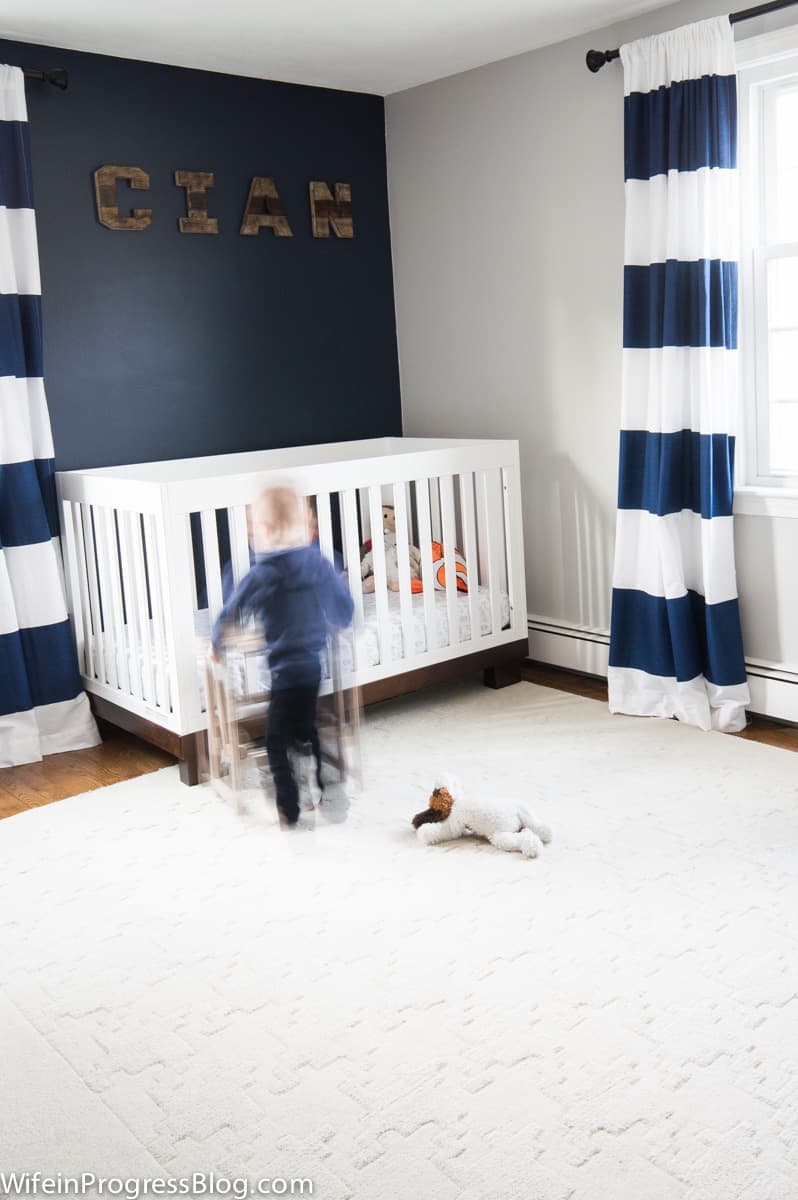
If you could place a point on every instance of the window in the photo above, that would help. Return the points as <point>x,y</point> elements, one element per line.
<point>768,91</point>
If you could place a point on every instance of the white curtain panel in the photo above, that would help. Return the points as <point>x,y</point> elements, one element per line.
<point>675,643</point>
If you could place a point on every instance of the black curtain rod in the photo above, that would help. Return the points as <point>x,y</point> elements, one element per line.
<point>57,77</point>
<point>596,59</point>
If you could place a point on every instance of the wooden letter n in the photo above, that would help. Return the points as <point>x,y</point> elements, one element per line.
<point>324,211</point>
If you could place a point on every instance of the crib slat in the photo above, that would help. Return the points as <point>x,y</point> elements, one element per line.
<point>196,540</point>
<point>352,547</point>
<point>491,522</point>
<point>213,568</point>
<point>175,564</point>
<point>115,602</point>
<point>468,518</point>
<point>73,586</point>
<point>142,607</point>
<point>129,592</point>
<point>380,578</point>
<point>239,541</point>
<point>435,509</point>
<point>325,544</point>
<point>94,592</point>
<point>365,515</point>
<point>403,559</point>
<point>427,570</point>
<point>83,580</point>
<point>161,667</point>
<point>127,603</point>
<point>324,522</point>
<point>514,546</point>
<point>446,484</point>
<point>103,546</point>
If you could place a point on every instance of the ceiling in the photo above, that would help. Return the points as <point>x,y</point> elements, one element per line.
<point>379,46</point>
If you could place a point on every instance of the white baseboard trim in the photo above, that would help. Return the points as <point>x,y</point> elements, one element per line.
<point>774,687</point>
<point>574,647</point>
<point>773,695</point>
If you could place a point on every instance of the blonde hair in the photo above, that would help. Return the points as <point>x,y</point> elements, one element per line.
<point>280,518</point>
<point>280,508</point>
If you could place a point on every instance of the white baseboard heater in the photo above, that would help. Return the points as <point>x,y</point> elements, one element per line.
<point>774,686</point>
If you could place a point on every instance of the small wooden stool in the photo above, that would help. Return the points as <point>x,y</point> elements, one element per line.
<point>237,716</point>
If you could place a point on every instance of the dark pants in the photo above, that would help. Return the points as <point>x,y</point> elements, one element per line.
<point>291,721</point>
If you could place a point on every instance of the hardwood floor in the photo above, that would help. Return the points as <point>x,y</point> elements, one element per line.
<point>123,756</point>
<point>120,756</point>
<point>565,681</point>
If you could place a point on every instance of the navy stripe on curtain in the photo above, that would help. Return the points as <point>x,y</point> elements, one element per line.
<point>15,175</point>
<point>679,638</point>
<point>680,304</point>
<point>684,127</point>
<point>28,502</point>
<point>667,472</point>
<point>21,336</point>
<point>38,667</point>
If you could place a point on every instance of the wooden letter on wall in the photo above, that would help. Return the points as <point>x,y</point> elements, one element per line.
<point>264,209</point>
<point>195,183</point>
<point>324,211</point>
<point>105,181</point>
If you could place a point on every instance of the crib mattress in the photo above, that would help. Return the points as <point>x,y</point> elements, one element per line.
<point>248,673</point>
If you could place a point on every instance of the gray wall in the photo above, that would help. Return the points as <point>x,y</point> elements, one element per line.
<point>507,208</point>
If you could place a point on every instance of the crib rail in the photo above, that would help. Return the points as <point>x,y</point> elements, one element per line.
<point>149,564</point>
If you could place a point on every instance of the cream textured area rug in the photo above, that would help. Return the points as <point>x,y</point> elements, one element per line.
<point>183,990</point>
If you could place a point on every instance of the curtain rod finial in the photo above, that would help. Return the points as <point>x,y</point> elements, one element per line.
<point>596,59</point>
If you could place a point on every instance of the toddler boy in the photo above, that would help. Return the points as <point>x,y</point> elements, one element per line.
<point>298,596</point>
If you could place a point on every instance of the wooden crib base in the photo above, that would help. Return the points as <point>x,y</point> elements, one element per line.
<point>500,666</point>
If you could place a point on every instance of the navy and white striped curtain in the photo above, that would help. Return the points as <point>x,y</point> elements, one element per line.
<point>43,709</point>
<point>675,643</point>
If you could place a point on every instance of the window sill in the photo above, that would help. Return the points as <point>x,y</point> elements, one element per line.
<point>765,502</point>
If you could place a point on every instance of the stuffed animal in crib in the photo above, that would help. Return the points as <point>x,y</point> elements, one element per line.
<point>439,569</point>
<point>506,824</point>
<point>391,557</point>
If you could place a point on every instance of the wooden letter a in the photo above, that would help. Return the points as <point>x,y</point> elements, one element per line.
<point>264,210</point>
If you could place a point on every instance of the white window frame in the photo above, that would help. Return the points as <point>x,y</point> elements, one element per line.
<point>761,490</point>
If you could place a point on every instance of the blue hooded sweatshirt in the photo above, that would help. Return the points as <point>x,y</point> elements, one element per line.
<point>297,596</point>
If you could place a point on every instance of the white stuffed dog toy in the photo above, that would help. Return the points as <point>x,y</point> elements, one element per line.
<point>507,826</point>
<point>391,556</point>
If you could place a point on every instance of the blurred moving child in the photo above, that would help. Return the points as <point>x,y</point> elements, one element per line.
<point>297,595</point>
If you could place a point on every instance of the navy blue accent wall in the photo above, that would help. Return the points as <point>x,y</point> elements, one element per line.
<point>166,345</point>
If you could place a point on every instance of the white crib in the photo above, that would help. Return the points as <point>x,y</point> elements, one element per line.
<point>145,548</point>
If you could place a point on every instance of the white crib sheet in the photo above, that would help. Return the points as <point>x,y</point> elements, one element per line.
<point>249,673</point>
<point>370,643</point>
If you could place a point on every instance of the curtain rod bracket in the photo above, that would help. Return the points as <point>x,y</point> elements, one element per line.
<point>58,77</point>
